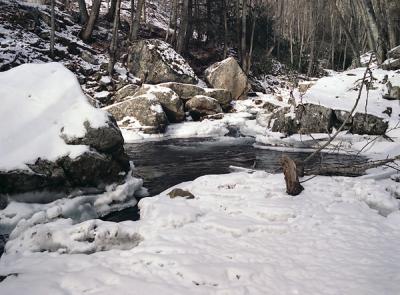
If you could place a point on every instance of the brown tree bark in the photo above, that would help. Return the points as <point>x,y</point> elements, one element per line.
<point>83,14</point>
<point>114,39</point>
<point>87,30</point>
<point>293,186</point>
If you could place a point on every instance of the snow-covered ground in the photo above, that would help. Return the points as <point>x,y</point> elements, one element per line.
<point>240,235</point>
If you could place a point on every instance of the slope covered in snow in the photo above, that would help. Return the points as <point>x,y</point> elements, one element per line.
<point>240,235</point>
<point>40,104</point>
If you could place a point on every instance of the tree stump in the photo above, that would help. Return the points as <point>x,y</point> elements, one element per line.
<point>293,186</point>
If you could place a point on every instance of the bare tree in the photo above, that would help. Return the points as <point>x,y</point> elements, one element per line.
<point>87,30</point>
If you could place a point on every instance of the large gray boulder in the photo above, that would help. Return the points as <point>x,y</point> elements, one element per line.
<point>394,53</point>
<point>105,162</point>
<point>155,61</point>
<point>200,106</point>
<point>310,118</point>
<point>144,108</point>
<point>368,124</point>
<point>169,100</point>
<point>187,91</point>
<point>314,118</point>
<point>228,75</point>
<point>124,92</point>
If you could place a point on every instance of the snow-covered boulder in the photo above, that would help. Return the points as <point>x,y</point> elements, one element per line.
<point>155,61</point>
<point>122,93</point>
<point>187,91</point>
<point>144,108</point>
<point>394,53</point>
<point>228,75</point>
<point>200,106</point>
<point>169,100</point>
<point>54,139</point>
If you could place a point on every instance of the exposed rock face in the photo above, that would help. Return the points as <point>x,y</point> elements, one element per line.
<point>394,53</point>
<point>391,64</point>
<point>155,61</point>
<point>169,100</point>
<point>200,106</point>
<point>187,91</point>
<point>145,108</point>
<point>283,120</point>
<point>127,90</point>
<point>368,124</point>
<point>105,163</point>
<point>228,75</point>
<point>314,118</point>
<point>309,118</point>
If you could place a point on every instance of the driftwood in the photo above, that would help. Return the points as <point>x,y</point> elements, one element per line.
<point>293,186</point>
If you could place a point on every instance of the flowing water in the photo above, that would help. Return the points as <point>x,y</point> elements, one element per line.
<point>163,164</point>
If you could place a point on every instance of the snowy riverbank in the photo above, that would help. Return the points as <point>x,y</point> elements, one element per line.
<point>240,235</point>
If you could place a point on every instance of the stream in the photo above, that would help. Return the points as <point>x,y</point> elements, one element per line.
<point>163,164</point>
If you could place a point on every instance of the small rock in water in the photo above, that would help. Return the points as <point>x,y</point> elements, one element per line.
<point>180,193</point>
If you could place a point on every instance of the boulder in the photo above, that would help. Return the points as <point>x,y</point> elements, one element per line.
<point>314,118</point>
<point>391,64</point>
<point>169,100</point>
<point>187,91</point>
<point>228,75</point>
<point>184,91</point>
<point>155,61</point>
<point>339,117</point>
<point>104,163</point>
<point>200,106</point>
<point>368,124</point>
<point>283,120</point>
<point>59,142</point>
<point>122,93</point>
<point>394,53</point>
<point>144,108</point>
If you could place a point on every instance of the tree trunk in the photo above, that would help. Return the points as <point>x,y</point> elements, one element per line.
<point>244,35</point>
<point>136,21</point>
<point>183,27</point>
<point>293,186</point>
<point>225,28</point>
<point>83,14</point>
<point>111,11</point>
<point>53,28</point>
<point>87,31</point>
<point>114,39</point>
<point>355,47</point>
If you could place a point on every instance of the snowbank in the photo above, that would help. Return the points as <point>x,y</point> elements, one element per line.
<point>340,92</point>
<point>240,235</point>
<point>41,103</point>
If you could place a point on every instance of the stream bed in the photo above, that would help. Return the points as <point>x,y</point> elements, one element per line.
<point>163,164</point>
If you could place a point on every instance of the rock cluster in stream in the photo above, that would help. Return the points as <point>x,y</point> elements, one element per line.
<point>310,118</point>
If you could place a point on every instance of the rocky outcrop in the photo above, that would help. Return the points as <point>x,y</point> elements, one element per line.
<point>228,75</point>
<point>155,61</point>
<point>200,106</point>
<point>187,91</point>
<point>368,124</point>
<point>314,118</point>
<point>169,100</point>
<point>105,162</point>
<point>145,108</point>
<point>127,90</point>
<point>393,61</point>
<point>310,118</point>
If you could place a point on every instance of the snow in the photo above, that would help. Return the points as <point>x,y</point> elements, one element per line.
<point>240,235</point>
<point>19,216</point>
<point>47,108</point>
<point>341,90</point>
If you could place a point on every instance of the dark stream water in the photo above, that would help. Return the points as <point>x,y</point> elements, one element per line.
<point>163,164</point>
